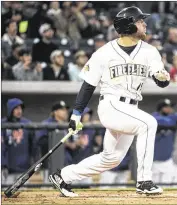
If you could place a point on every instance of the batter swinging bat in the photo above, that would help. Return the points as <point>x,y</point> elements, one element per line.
<point>25,176</point>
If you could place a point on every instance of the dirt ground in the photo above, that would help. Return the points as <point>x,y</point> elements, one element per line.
<point>90,196</point>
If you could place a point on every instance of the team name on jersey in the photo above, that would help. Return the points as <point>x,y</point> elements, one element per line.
<point>128,69</point>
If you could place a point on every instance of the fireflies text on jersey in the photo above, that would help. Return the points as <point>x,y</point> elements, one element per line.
<point>129,69</point>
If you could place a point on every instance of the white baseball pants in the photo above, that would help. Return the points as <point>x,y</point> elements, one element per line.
<point>122,122</point>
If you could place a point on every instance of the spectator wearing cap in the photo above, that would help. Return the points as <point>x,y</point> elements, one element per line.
<point>74,69</point>
<point>163,166</point>
<point>11,36</point>
<point>59,114</point>
<point>25,70</point>
<point>173,70</point>
<point>38,16</point>
<point>18,145</point>
<point>170,46</point>
<point>42,50</point>
<point>56,71</point>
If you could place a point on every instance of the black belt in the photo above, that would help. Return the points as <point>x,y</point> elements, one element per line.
<point>122,99</point>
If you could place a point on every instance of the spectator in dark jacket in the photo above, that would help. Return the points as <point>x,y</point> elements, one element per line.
<point>42,50</point>
<point>11,61</point>
<point>56,71</point>
<point>59,114</point>
<point>171,46</point>
<point>18,145</point>
<point>14,58</point>
<point>163,166</point>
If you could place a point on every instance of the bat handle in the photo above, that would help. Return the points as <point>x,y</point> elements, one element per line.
<point>71,132</point>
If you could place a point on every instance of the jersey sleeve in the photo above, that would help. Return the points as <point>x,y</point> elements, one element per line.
<point>93,69</point>
<point>155,61</point>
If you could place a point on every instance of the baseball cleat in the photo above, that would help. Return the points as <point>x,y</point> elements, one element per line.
<point>59,183</point>
<point>148,188</point>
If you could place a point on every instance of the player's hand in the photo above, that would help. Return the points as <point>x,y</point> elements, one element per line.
<point>75,123</point>
<point>162,75</point>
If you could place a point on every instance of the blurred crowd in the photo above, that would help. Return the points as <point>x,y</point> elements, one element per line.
<point>54,40</point>
<point>20,148</point>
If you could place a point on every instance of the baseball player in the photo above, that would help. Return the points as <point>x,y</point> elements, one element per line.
<point>121,68</point>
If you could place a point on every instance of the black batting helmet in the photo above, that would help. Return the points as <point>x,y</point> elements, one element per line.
<point>124,22</point>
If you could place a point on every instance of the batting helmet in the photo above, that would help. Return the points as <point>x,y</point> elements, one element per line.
<point>124,22</point>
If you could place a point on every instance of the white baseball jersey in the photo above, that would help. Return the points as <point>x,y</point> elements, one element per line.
<point>121,74</point>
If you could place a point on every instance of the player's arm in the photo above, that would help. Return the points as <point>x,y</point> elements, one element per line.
<point>158,73</point>
<point>82,100</point>
<point>91,74</point>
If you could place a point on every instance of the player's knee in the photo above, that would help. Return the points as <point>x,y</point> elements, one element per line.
<point>111,159</point>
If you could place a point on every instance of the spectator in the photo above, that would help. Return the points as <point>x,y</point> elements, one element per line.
<point>105,22</point>
<point>87,136</point>
<point>74,69</point>
<point>11,61</point>
<point>59,114</point>
<point>56,71</point>
<point>156,42</point>
<point>6,14</point>
<point>45,45</point>
<point>38,19</point>
<point>18,145</point>
<point>6,50</point>
<point>174,155</point>
<point>94,27</point>
<point>70,21</point>
<point>54,8</point>
<point>154,22</point>
<point>170,46</point>
<point>173,70</point>
<point>97,144</point>
<point>163,164</point>
<point>164,60</point>
<point>99,41</point>
<point>11,36</point>
<point>14,58</point>
<point>111,33</point>
<point>25,70</point>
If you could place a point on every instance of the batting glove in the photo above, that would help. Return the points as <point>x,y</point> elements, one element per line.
<point>75,123</point>
<point>162,75</point>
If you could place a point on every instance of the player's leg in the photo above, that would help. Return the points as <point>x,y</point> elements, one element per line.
<point>115,149</point>
<point>132,120</point>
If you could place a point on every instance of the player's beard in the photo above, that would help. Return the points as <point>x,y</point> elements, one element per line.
<point>140,35</point>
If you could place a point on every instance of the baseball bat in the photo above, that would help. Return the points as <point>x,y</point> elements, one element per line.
<point>35,167</point>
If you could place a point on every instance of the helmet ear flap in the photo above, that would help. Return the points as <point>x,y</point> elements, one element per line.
<point>132,29</point>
